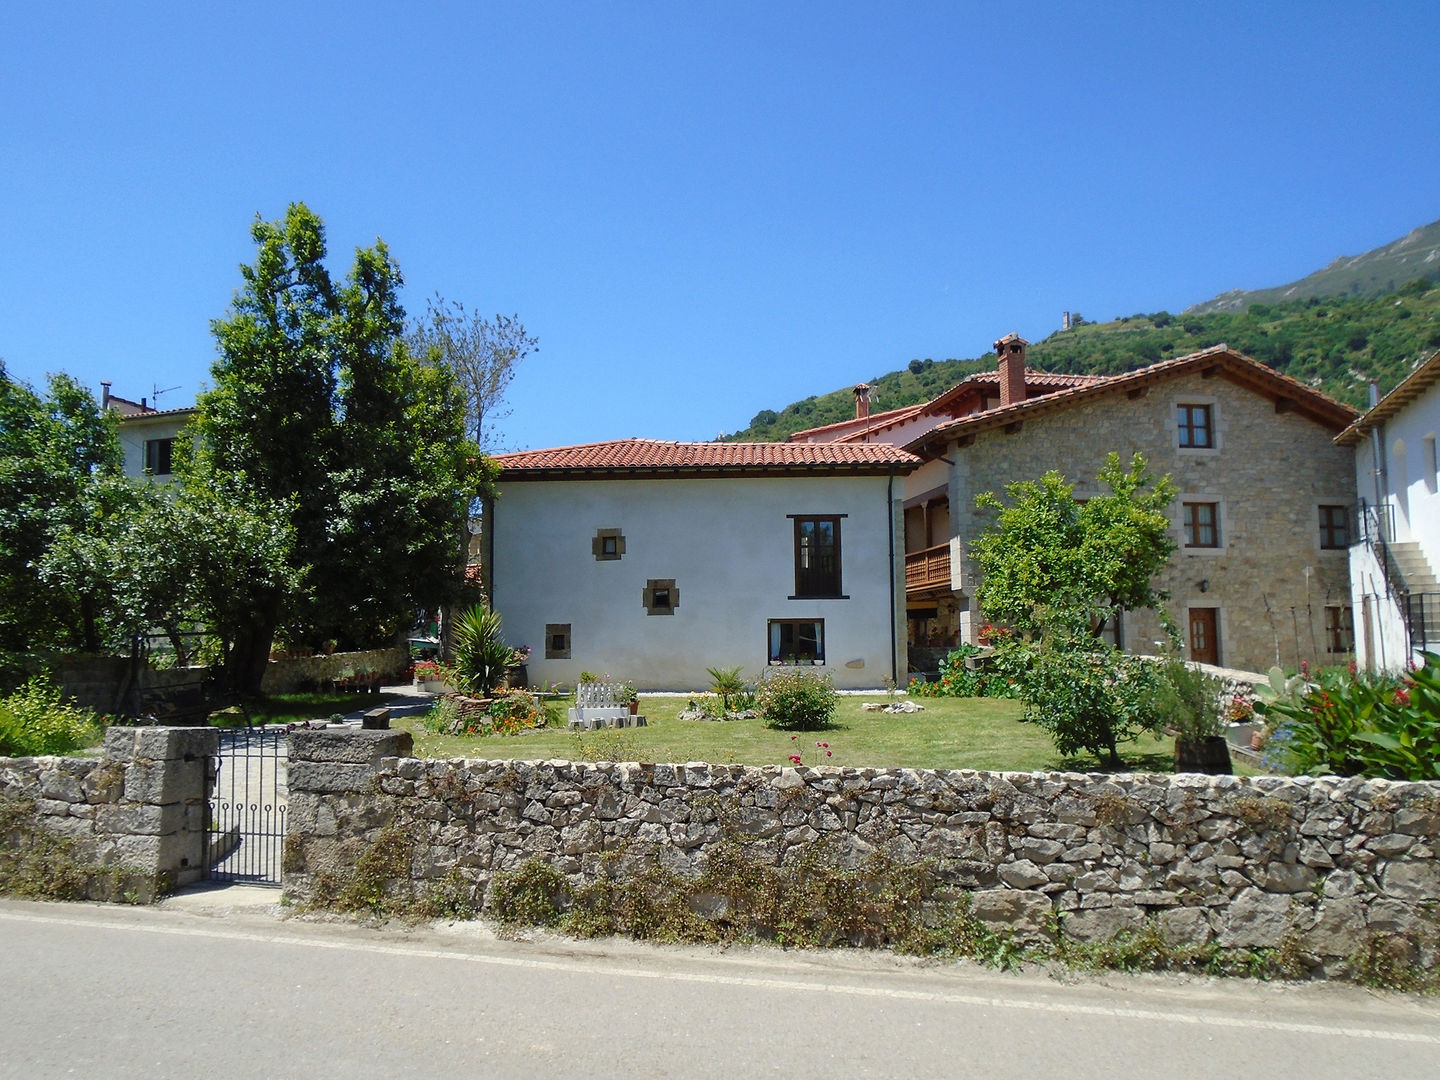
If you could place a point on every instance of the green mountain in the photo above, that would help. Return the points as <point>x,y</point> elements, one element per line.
<point>1337,344</point>
<point>1375,273</point>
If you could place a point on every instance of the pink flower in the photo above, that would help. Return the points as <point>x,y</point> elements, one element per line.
<point>1402,696</point>
<point>827,753</point>
<point>795,759</point>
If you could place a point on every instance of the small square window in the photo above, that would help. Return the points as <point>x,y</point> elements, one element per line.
<point>607,545</point>
<point>1334,527</point>
<point>661,597</point>
<point>1197,427</point>
<point>557,641</point>
<point>1202,524</point>
<point>796,641</point>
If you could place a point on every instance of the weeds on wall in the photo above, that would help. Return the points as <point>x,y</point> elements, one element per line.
<point>36,864</point>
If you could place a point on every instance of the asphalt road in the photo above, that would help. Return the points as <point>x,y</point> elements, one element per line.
<point>103,991</point>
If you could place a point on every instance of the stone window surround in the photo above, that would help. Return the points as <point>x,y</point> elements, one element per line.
<point>597,545</point>
<point>1222,524</point>
<point>1339,500</point>
<point>668,590</point>
<point>552,632</point>
<point>1217,426</point>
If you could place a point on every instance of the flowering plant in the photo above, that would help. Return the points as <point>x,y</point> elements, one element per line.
<point>427,670</point>
<point>799,758</point>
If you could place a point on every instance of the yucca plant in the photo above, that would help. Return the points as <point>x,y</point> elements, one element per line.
<point>481,655</point>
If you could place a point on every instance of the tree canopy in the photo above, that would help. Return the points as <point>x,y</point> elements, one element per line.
<point>1051,555</point>
<point>321,412</point>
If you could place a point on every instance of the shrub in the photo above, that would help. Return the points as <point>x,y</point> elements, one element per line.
<point>795,699</point>
<point>958,679</point>
<point>481,655</point>
<point>1354,724</point>
<point>1188,700</point>
<point>35,720</point>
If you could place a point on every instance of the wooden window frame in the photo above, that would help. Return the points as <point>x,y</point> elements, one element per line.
<point>1334,522</point>
<point>1186,428</point>
<point>1339,629</point>
<point>806,589</point>
<point>1191,525</point>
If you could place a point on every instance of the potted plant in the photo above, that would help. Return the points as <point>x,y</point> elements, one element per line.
<point>1192,701</point>
<point>429,677</point>
<point>628,696</point>
<point>517,674</point>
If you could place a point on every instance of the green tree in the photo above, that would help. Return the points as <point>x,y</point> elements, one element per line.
<point>320,411</point>
<point>1057,570</point>
<point>1048,553</point>
<point>59,460</point>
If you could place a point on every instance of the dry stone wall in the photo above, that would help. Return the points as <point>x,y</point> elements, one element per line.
<point>137,812</point>
<point>1245,863</point>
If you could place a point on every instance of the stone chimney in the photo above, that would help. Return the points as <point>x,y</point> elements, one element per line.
<point>1011,352</point>
<point>862,401</point>
<point>104,395</point>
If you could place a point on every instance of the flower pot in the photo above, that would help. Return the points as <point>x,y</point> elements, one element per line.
<point>517,677</point>
<point>634,707</point>
<point>1207,755</point>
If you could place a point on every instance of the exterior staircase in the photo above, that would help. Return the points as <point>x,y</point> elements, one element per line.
<point>1421,596</point>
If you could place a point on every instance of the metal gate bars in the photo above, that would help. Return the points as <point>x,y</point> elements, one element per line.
<point>246,826</point>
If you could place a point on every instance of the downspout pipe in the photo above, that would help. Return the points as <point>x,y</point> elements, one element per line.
<point>890,530</point>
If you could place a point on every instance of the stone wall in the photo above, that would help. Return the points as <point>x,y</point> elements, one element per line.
<point>137,812</point>
<point>1247,863</point>
<point>305,672</point>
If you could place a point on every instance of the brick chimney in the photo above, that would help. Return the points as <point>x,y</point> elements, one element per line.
<point>862,401</point>
<point>1010,350</point>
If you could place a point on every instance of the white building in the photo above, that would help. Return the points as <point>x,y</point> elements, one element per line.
<point>653,561</point>
<point>147,435</point>
<point>1392,566</point>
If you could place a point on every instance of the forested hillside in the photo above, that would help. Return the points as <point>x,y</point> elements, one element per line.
<point>1337,345</point>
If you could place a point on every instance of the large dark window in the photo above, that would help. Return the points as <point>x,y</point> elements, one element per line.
<point>1340,629</point>
<point>1197,430</point>
<point>817,556</point>
<point>157,456</point>
<point>796,641</point>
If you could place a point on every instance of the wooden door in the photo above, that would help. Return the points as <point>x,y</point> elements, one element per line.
<point>1204,636</point>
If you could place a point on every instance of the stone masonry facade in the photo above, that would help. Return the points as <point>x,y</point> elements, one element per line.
<point>1269,578</point>
<point>138,811</point>
<point>1323,863</point>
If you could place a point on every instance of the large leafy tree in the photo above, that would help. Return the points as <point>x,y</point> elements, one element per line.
<point>1056,570</point>
<point>59,476</point>
<point>319,407</point>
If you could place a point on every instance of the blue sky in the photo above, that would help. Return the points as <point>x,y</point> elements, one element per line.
<point>701,209</point>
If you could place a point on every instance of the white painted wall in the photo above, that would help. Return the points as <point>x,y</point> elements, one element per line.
<point>134,432</point>
<point>729,545</point>
<point>1409,489</point>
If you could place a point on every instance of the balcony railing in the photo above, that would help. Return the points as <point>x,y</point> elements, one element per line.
<point>928,568</point>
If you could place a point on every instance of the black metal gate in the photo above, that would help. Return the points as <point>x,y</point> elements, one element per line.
<point>246,820</point>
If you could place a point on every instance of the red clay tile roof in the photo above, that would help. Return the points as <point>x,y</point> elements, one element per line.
<point>655,456</point>
<point>859,425</point>
<point>1235,366</point>
<point>1411,387</point>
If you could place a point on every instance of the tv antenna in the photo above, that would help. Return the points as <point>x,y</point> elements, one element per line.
<point>155,395</point>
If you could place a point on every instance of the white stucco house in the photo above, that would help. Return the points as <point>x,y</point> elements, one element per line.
<point>147,435</point>
<point>1394,591</point>
<point>653,561</point>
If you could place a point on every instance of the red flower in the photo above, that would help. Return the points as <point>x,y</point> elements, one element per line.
<point>1402,696</point>
<point>795,759</point>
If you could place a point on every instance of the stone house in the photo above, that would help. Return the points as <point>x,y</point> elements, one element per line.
<point>653,561</point>
<point>1392,565</point>
<point>1263,520</point>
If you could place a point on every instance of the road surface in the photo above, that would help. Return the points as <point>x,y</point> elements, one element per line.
<point>109,991</point>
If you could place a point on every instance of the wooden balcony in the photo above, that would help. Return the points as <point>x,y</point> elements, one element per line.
<point>928,568</point>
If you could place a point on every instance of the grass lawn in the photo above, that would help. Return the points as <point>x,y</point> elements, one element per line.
<point>952,733</point>
<point>297,708</point>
